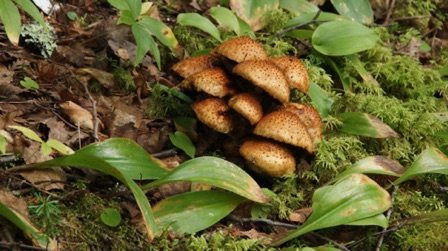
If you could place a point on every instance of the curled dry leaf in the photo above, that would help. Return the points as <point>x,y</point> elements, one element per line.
<point>240,49</point>
<point>213,81</point>
<point>213,113</point>
<point>248,106</point>
<point>265,75</point>
<point>78,115</point>
<point>295,72</point>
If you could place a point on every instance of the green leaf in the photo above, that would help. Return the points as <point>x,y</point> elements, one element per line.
<point>216,172</point>
<point>339,38</point>
<point>31,9</point>
<point>119,4</point>
<point>194,211</point>
<point>321,99</point>
<point>127,156</point>
<point>28,133</point>
<point>298,7</point>
<point>126,17</point>
<point>364,124</point>
<point>182,141</point>
<point>72,15</point>
<point>111,217</point>
<point>38,238</point>
<point>226,17</point>
<point>145,42</point>
<point>10,16</point>
<point>345,83</point>
<point>45,148</point>
<point>356,10</point>
<point>160,30</point>
<point>351,199</point>
<point>200,22</point>
<point>185,123</point>
<point>304,18</point>
<point>377,220</point>
<point>2,144</point>
<point>375,165</point>
<point>431,160</point>
<point>359,67</point>
<point>96,163</point>
<point>59,146</point>
<point>28,83</point>
<point>253,11</point>
<point>300,34</point>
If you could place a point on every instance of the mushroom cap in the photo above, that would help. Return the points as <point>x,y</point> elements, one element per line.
<point>268,157</point>
<point>310,117</point>
<point>240,49</point>
<point>295,72</point>
<point>285,127</point>
<point>213,81</point>
<point>190,66</point>
<point>265,75</point>
<point>213,113</point>
<point>248,106</point>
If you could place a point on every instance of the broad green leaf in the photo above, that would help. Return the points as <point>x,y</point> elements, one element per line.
<point>182,141</point>
<point>375,165</point>
<point>31,9</point>
<point>45,148</point>
<point>245,29</point>
<point>304,18</point>
<point>37,237</point>
<point>253,11</point>
<point>359,67</point>
<point>126,17</point>
<point>194,211</point>
<point>356,10</point>
<point>59,146</point>
<point>298,7</point>
<point>443,134</point>
<point>28,133</point>
<point>351,199</point>
<point>300,34</point>
<point>127,156</point>
<point>185,123</point>
<point>160,30</point>
<point>28,83</point>
<point>200,22</point>
<point>364,124</point>
<point>144,42</point>
<point>135,7</point>
<point>431,160</point>
<point>96,163</point>
<point>339,38</point>
<point>439,215</point>
<point>10,17</point>
<point>345,83</point>
<point>111,217</point>
<point>321,99</point>
<point>377,220</point>
<point>226,17</point>
<point>119,4</point>
<point>2,144</point>
<point>216,172</point>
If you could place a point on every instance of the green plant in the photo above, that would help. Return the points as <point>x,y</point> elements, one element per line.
<point>28,83</point>
<point>46,213</point>
<point>133,13</point>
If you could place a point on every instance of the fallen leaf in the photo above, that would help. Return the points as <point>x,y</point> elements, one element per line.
<point>17,204</point>
<point>78,115</point>
<point>300,215</point>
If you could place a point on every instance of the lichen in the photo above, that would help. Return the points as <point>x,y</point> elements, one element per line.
<point>43,39</point>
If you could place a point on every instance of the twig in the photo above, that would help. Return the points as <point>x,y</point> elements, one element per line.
<point>379,233</point>
<point>314,20</point>
<point>11,245</point>
<point>388,214</point>
<point>340,246</point>
<point>389,12</point>
<point>164,154</point>
<point>409,18</point>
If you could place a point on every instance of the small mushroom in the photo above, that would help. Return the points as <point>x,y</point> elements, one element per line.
<point>285,127</point>
<point>295,72</point>
<point>213,81</point>
<point>248,106</point>
<point>240,49</point>
<point>268,157</point>
<point>190,66</point>
<point>310,117</point>
<point>213,113</point>
<point>265,75</point>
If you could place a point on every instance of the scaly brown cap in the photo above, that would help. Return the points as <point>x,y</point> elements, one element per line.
<point>265,75</point>
<point>190,66</point>
<point>268,157</point>
<point>213,81</point>
<point>295,72</point>
<point>285,127</point>
<point>213,113</point>
<point>240,49</point>
<point>248,106</point>
<point>310,117</point>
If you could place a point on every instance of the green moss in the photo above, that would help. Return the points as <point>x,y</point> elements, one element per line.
<point>165,102</point>
<point>288,196</point>
<point>275,20</point>
<point>192,39</point>
<point>124,79</point>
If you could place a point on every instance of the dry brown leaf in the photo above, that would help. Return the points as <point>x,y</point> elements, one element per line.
<point>106,79</point>
<point>17,204</point>
<point>300,215</point>
<point>58,130</point>
<point>78,115</point>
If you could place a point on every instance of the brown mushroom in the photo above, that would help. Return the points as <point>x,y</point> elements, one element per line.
<point>240,49</point>
<point>213,113</point>
<point>268,157</point>
<point>213,81</point>
<point>248,106</point>
<point>190,66</point>
<point>310,117</point>
<point>295,72</point>
<point>285,127</point>
<point>265,75</point>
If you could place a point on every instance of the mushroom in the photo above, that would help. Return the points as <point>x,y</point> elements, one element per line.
<point>295,72</point>
<point>213,113</point>
<point>265,75</point>
<point>248,106</point>
<point>310,117</point>
<point>268,157</point>
<point>240,49</point>
<point>190,66</point>
<point>285,127</point>
<point>213,81</point>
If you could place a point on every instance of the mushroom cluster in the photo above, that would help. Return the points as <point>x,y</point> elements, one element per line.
<point>239,79</point>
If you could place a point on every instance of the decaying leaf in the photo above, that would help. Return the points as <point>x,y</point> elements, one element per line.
<point>78,115</point>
